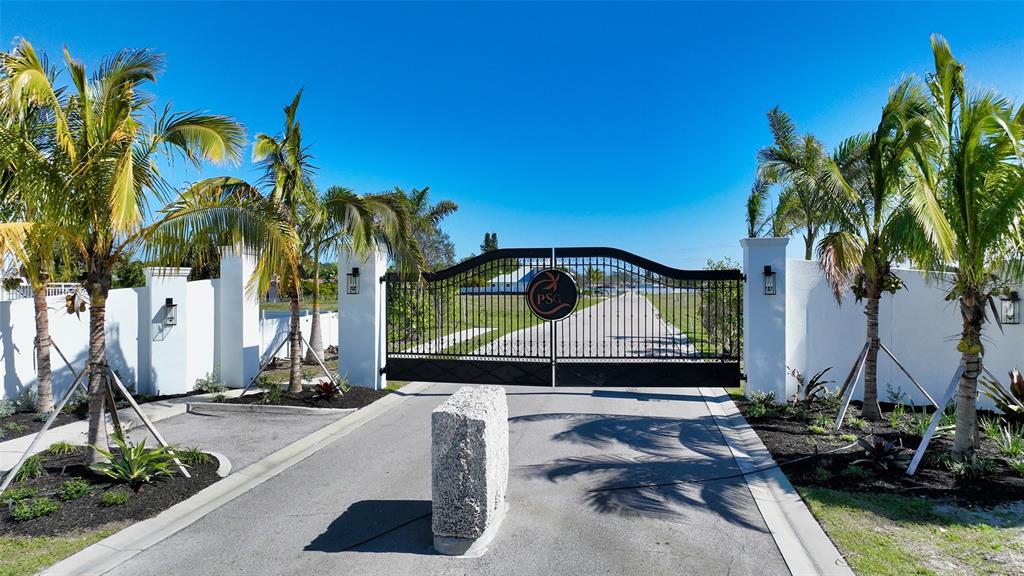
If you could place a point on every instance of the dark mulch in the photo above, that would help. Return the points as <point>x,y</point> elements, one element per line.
<point>86,512</point>
<point>356,397</point>
<point>787,437</point>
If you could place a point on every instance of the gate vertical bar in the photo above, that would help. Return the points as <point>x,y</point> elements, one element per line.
<point>554,334</point>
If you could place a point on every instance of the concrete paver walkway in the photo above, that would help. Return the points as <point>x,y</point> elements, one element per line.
<point>574,508</point>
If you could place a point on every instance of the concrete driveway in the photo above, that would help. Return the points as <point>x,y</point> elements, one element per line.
<point>360,505</point>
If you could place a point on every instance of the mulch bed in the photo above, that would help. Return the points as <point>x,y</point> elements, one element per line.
<point>86,512</point>
<point>787,437</point>
<point>356,397</point>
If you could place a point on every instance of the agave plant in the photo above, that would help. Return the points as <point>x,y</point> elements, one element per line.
<point>133,464</point>
<point>881,453</point>
<point>1011,403</point>
<point>810,389</point>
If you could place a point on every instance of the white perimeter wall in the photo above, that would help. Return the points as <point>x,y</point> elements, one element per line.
<point>203,329</point>
<point>916,323</point>
<point>274,331</point>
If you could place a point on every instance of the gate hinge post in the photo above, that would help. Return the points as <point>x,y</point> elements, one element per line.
<point>382,278</point>
<point>383,369</point>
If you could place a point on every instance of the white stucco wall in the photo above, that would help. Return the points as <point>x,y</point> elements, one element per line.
<point>202,330</point>
<point>917,324</point>
<point>274,330</point>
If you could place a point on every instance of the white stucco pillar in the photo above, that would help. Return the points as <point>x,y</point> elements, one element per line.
<point>764,318</point>
<point>238,319</point>
<point>166,308</point>
<point>361,330</point>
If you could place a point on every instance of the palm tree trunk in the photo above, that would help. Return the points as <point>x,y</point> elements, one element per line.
<point>97,436</point>
<point>44,379</point>
<point>295,377</point>
<point>870,409</point>
<point>316,341</point>
<point>967,392</point>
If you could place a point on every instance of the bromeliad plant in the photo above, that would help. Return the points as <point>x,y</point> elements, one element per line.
<point>325,390</point>
<point>1011,403</point>
<point>816,387</point>
<point>133,464</point>
<point>881,453</point>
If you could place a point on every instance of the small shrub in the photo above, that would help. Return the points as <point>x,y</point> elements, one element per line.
<point>763,398</point>
<point>896,416</point>
<point>759,411</point>
<point>79,401</point>
<point>848,437</point>
<point>857,423</point>
<point>855,473</point>
<point>895,393</point>
<point>40,416</point>
<point>823,421</point>
<point>32,468</point>
<point>18,494</point>
<point>963,470</point>
<point>192,457</point>
<point>1010,442</point>
<point>7,408</point>
<point>27,400</point>
<point>948,419</point>
<point>73,489</point>
<point>325,390</point>
<point>3,433</point>
<point>271,393</point>
<point>134,464</point>
<point>117,497</point>
<point>830,399</point>
<point>1017,465</point>
<point>219,398</point>
<point>209,384</point>
<point>15,427</point>
<point>815,429</point>
<point>880,453</point>
<point>822,474</point>
<point>992,426</point>
<point>344,385</point>
<point>795,411</point>
<point>62,448</point>
<point>29,509</point>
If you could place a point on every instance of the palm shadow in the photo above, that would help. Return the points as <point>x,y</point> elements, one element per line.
<point>649,466</point>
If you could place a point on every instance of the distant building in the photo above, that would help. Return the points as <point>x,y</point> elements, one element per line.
<point>511,283</point>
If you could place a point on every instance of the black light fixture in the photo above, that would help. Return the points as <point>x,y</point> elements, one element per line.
<point>353,281</point>
<point>1011,308</point>
<point>769,281</point>
<point>170,312</point>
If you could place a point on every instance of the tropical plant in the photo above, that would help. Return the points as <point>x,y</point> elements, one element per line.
<point>325,390</point>
<point>426,225</point>
<point>194,456</point>
<point>209,384</point>
<point>1010,403</point>
<point>271,393</point>
<point>18,494</point>
<point>808,390</point>
<point>798,164</point>
<point>870,176</point>
<point>133,464</point>
<point>881,453</point>
<point>758,218</point>
<point>62,448</point>
<point>991,426</point>
<point>896,416</point>
<point>115,497</point>
<point>1010,441</point>
<point>102,167</point>
<point>73,489</point>
<point>969,197</point>
<point>32,467</point>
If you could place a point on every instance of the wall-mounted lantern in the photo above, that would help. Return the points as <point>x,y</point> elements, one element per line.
<point>353,281</point>
<point>1011,308</point>
<point>769,281</point>
<point>170,312</point>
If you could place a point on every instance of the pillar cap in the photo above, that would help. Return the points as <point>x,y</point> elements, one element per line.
<point>166,272</point>
<point>766,242</point>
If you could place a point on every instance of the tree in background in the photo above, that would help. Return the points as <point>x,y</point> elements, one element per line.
<point>437,248</point>
<point>969,198</point>
<point>875,224</point>
<point>490,242</point>
<point>129,274</point>
<point>798,164</point>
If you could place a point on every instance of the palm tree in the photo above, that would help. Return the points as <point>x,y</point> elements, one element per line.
<point>110,153</point>
<point>426,219</point>
<point>798,163</point>
<point>970,198</point>
<point>759,219</point>
<point>875,224</point>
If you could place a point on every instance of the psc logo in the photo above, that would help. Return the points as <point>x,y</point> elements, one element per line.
<point>552,294</point>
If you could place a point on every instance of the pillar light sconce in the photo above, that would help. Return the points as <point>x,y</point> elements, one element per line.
<point>353,281</point>
<point>170,312</point>
<point>1011,308</point>
<point>769,281</point>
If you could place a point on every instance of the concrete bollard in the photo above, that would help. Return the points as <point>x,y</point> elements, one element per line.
<point>469,454</point>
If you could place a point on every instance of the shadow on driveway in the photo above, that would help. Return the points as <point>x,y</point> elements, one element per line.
<point>379,526</point>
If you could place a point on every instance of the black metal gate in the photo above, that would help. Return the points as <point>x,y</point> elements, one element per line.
<point>636,322</point>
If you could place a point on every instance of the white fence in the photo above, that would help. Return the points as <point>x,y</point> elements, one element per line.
<point>274,331</point>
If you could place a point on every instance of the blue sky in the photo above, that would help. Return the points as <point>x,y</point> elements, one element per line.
<point>627,125</point>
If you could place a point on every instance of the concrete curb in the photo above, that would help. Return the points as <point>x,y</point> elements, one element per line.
<point>803,543</point>
<point>220,407</point>
<point>223,463</point>
<point>114,550</point>
<point>76,432</point>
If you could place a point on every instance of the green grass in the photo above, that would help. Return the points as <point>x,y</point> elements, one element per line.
<point>885,534</point>
<point>325,306</point>
<point>25,555</point>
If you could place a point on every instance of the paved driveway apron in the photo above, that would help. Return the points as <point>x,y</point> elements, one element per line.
<point>577,454</point>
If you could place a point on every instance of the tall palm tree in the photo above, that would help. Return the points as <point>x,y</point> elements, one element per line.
<point>875,224</point>
<point>798,163</point>
<point>110,152</point>
<point>426,219</point>
<point>970,199</point>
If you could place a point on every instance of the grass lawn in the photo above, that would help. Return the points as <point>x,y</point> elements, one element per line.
<point>682,310</point>
<point>24,556</point>
<point>325,306</point>
<point>885,534</point>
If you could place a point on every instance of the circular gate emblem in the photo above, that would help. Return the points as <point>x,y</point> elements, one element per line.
<point>552,294</point>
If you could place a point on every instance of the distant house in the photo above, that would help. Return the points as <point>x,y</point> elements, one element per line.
<point>512,283</point>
